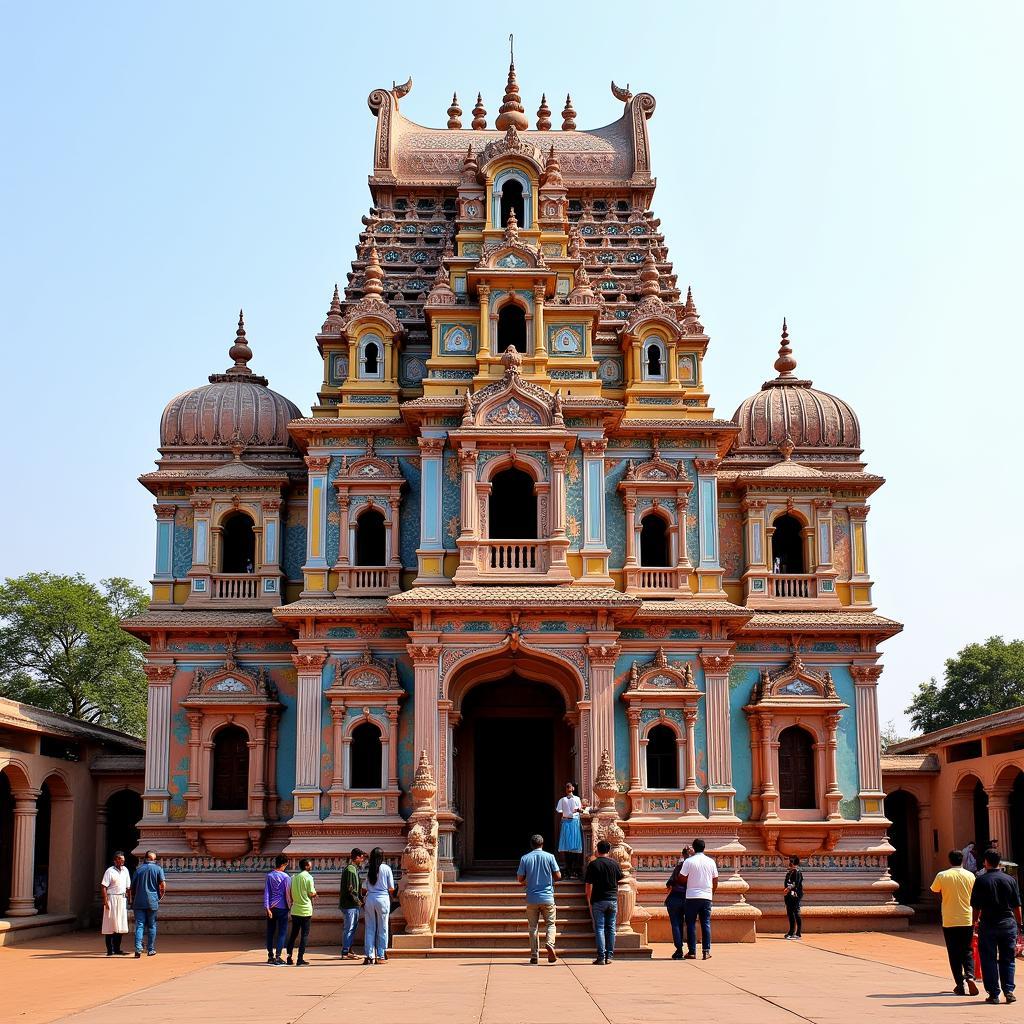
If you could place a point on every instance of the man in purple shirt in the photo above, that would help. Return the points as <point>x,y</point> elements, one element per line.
<point>276,900</point>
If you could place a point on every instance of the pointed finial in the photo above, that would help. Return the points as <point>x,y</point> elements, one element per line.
<point>240,351</point>
<point>511,113</point>
<point>470,168</point>
<point>650,280</point>
<point>455,113</point>
<point>373,277</point>
<point>568,116</point>
<point>690,308</point>
<point>552,171</point>
<point>479,114</point>
<point>785,364</point>
<point>335,300</point>
<point>332,325</point>
<point>543,114</point>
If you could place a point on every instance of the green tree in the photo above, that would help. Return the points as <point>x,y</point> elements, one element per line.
<point>62,648</point>
<point>981,680</point>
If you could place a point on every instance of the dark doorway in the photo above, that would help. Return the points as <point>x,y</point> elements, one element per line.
<point>511,725</point>
<point>238,542</point>
<point>788,545</point>
<point>512,328</point>
<point>370,538</point>
<point>512,199</point>
<point>124,811</point>
<point>902,810</point>
<point>662,759</point>
<point>230,770</point>
<point>796,769</point>
<point>981,835</point>
<point>366,757</point>
<point>41,865</point>
<point>513,506</point>
<point>1016,844</point>
<point>654,545</point>
<point>6,841</point>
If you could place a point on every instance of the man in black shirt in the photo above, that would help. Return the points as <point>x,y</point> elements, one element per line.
<point>995,899</point>
<point>602,884</point>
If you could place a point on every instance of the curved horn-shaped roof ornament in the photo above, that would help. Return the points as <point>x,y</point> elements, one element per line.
<point>621,94</point>
<point>402,90</point>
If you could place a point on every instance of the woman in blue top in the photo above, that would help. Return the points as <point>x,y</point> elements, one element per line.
<point>377,893</point>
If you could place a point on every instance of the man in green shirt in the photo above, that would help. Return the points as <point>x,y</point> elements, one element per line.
<point>303,894</point>
<point>350,902</point>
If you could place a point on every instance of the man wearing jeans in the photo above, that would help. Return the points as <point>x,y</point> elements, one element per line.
<point>349,901</point>
<point>538,871</point>
<point>276,894</point>
<point>995,899</point>
<point>148,889</point>
<point>701,874</point>
<point>602,885</point>
<point>954,886</point>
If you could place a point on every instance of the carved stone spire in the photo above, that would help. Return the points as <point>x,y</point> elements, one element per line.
<point>690,307</point>
<point>441,293</point>
<point>479,114</point>
<point>552,176</point>
<point>470,168</point>
<point>333,324</point>
<point>511,113</point>
<point>650,280</point>
<point>512,228</point>
<point>568,116</point>
<point>240,351</point>
<point>785,364</point>
<point>543,115</point>
<point>373,276</point>
<point>455,113</point>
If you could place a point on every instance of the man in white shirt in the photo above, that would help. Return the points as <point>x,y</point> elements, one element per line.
<point>701,874</point>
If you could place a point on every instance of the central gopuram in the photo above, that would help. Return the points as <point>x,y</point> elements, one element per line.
<point>513,536</point>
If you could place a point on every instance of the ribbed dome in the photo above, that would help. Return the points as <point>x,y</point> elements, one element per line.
<point>235,407</point>
<point>790,410</point>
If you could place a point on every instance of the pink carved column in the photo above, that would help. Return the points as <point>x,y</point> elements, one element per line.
<point>338,749</point>
<point>558,458</point>
<point>309,699</point>
<point>426,666</point>
<point>392,748</point>
<point>259,756</point>
<point>832,791</point>
<point>869,747</point>
<point>634,747</point>
<point>467,463</point>
<point>395,530</point>
<point>691,790</point>
<point>629,504</point>
<point>344,529</point>
<point>999,819</point>
<point>158,739</point>
<point>769,794</point>
<point>602,653</point>
<point>22,903</point>
<point>193,796</point>
<point>721,794</point>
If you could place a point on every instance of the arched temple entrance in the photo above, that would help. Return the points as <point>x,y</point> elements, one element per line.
<point>902,809</point>
<point>124,810</point>
<point>513,753</point>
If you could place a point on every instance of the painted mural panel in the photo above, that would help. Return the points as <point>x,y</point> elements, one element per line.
<point>731,543</point>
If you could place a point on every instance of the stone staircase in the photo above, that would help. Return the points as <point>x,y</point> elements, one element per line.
<point>485,918</point>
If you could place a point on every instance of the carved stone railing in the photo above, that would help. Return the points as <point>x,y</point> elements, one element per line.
<point>235,587</point>
<point>793,585</point>
<point>368,580</point>
<point>420,887</point>
<point>513,556</point>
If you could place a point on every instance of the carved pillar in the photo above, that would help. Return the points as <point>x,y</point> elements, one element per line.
<point>869,747</point>
<point>483,294</point>
<point>468,458</point>
<point>272,769</point>
<point>709,570</point>
<point>558,458</point>
<point>338,752</point>
<point>23,857</point>
<point>540,348</point>
<point>999,819</point>
<point>392,748</point>
<point>425,656</point>
<point>594,550</point>
<point>344,530</point>
<point>691,790</point>
<point>769,794</point>
<point>602,653</point>
<point>634,749</point>
<point>309,665</point>
<point>629,504</point>
<point>430,553</point>
<point>394,531</point>
<point>721,794</point>
<point>314,572</point>
<point>164,567</point>
<point>193,795</point>
<point>259,757</point>
<point>158,740</point>
<point>832,792</point>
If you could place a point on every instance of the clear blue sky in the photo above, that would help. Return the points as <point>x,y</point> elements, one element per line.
<point>856,167</point>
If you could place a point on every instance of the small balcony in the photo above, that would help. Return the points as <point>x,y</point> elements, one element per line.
<point>787,590</point>
<point>787,585</point>
<point>368,580</point>
<point>657,581</point>
<point>234,587</point>
<point>241,590</point>
<point>526,556</point>
<point>512,560</point>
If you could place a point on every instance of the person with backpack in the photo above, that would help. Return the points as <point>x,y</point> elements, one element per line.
<point>793,894</point>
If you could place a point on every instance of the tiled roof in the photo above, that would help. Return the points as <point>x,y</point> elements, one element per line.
<point>522,596</point>
<point>975,727</point>
<point>897,763</point>
<point>15,714</point>
<point>118,764</point>
<point>690,607</point>
<point>375,606</point>
<point>188,619</point>
<point>833,621</point>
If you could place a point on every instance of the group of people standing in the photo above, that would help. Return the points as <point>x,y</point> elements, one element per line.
<point>294,895</point>
<point>141,893</point>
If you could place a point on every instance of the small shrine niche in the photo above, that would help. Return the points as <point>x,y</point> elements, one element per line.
<point>231,800</point>
<point>365,701</point>
<point>794,714</point>
<point>662,701</point>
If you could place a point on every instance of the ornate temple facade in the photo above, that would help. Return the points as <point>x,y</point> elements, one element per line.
<point>512,537</point>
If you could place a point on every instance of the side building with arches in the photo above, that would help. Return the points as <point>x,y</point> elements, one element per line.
<point>70,794</point>
<point>515,538</point>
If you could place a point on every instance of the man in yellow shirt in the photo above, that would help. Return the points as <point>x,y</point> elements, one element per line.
<point>955,885</point>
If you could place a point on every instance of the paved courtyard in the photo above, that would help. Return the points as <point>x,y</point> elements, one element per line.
<point>832,978</point>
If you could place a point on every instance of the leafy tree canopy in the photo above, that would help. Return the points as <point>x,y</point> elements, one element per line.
<point>62,648</point>
<point>981,680</point>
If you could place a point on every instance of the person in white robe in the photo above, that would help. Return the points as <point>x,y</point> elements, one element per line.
<point>116,888</point>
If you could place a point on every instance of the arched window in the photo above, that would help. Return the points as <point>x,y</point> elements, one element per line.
<point>796,769</point>
<point>654,541</point>
<point>787,545</point>
<point>370,358</point>
<point>230,770</point>
<point>238,543</point>
<point>512,200</point>
<point>371,544</point>
<point>513,506</point>
<point>365,751</point>
<point>654,360</point>
<point>511,327</point>
<point>662,759</point>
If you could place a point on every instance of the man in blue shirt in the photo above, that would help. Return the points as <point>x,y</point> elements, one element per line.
<point>538,871</point>
<point>148,888</point>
